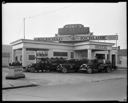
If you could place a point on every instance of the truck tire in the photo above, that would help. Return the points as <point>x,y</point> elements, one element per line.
<point>32,70</point>
<point>89,70</point>
<point>108,69</point>
<point>64,70</point>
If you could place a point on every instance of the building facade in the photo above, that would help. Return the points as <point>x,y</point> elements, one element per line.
<point>122,54</point>
<point>68,45</point>
<point>6,54</point>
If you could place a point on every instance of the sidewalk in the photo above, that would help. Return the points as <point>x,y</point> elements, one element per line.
<point>10,84</point>
<point>17,83</point>
<point>121,68</point>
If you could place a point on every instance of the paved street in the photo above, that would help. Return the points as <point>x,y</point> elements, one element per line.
<point>71,86</point>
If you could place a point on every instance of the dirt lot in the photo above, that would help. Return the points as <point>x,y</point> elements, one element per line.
<point>71,78</point>
<point>71,86</point>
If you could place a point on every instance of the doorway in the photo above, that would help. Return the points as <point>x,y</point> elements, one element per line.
<point>113,60</point>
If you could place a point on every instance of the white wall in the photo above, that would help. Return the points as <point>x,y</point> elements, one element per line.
<point>50,54</point>
<point>5,61</point>
<point>19,53</point>
<point>6,49</point>
<point>123,60</point>
<point>30,53</point>
<point>81,54</point>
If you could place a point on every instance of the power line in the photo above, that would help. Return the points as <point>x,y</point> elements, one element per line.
<point>44,14</point>
<point>53,11</point>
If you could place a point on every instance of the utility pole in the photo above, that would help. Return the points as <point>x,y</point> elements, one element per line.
<point>117,56</point>
<point>116,39</point>
<point>24,27</point>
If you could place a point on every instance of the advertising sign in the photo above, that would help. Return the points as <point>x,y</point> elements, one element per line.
<point>79,38</point>
<point>102,47</point>
<point>49,39</point>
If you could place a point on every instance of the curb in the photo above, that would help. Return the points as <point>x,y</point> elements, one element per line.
<point>13,87</point>
<point>122,69</point>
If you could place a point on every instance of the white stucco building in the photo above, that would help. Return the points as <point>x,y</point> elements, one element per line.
<point>6,54</point>
<point>122,54</point>
<point>71,45</point>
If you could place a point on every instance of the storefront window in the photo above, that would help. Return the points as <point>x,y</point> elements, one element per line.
<point>60,54</point>
<point>42,53</point>
<point>72,55</point>
<point>31,57</point>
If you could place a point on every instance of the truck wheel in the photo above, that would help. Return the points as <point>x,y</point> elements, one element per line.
<point>89,70</point>
<point>108,69</point>
<point>64,70</point>
<point>32,70</point>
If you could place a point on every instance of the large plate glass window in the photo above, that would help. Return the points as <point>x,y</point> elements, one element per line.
<point>60,53</point>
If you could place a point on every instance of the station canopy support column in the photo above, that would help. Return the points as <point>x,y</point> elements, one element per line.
<point>89,54</point>
<point>23,56</point>
<point>110,55</point>
<point>13,55</point>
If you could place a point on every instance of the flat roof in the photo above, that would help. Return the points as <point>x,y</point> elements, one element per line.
<point>58,43</point>
<point>42,42</point>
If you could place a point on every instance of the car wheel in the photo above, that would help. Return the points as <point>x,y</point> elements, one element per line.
<point>89,70</point>
<point>83,66</point>
<point>108,69</point>
<point>32,70</point>
<point>64,70</point>
<point>59,68</point>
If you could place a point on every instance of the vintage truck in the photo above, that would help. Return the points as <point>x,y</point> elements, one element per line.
<point>95,65</point>
<point>72,65</point>
<point>45,65</point>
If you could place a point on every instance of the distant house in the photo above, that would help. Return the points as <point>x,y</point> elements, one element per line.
<point>6,54</point>
<point>122,54</point>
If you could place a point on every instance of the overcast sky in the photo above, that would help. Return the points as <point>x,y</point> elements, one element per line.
<point>44,19</point>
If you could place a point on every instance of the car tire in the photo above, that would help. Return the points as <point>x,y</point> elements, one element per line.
<point>108,69</point>
<point>64,70</point>
<point>89,70</point>
<point>32,70</point>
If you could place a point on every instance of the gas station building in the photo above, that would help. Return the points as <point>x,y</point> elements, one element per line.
<point>73,41</point>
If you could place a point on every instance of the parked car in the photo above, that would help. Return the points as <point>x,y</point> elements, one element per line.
<point>45,65</point>
<point>105,66</point>
<point>36,67</point>
<point>69,66</point>
<point>95,65</point>
<point>15,64</point>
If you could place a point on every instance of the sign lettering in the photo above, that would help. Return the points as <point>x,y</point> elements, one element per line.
<point>100,47</point>
<point>79,38</point>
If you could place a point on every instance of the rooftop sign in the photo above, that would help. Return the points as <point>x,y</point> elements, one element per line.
<point>79,38</point>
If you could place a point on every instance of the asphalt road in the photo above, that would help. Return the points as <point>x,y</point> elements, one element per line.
<point>71,87</point>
